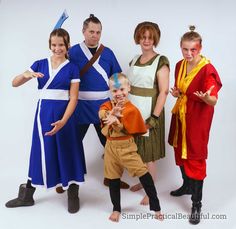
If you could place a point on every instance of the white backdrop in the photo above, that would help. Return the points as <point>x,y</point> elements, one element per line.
<point>25,26</point>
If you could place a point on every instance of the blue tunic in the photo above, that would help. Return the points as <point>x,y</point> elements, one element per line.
<point>58,159</point>
<point>94,89</point>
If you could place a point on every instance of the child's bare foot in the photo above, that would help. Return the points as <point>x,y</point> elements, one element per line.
<point>136,187</point>
<point>145,200</point>
<point>115,216</point>
<point>159,216</point>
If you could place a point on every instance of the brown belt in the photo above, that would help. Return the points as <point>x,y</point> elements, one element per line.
<point>146,92</point>
<point>120,138</point>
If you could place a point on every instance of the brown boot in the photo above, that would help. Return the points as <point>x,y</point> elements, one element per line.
<point>73,198</point>
<point>123,185</point>
<point>25,198</point>
<point>59,190</point>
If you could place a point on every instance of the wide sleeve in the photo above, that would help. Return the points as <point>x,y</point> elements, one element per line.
<point>212,79</point>
<point>163,61</point>
<point>132,120</point>
<point>102,113</point>
<point>35,66</point>
<point>104,109</point>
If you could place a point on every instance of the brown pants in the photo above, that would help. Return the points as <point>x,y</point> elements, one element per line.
<point>120,155</point>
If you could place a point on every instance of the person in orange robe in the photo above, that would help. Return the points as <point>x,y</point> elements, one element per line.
<point>196,87</point>
<point>121,120</point>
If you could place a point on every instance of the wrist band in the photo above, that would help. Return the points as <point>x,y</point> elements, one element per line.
<point>154,116</point>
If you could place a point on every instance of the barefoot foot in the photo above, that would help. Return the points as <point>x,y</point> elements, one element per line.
<point>115,216</point>
<point>145,201</point>
<point>159,216</point>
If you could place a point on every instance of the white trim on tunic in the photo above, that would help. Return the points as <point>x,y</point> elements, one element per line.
<point>93,95</point>
<point>96,64</point>
<point>43,92</point>
<point>53,94</point>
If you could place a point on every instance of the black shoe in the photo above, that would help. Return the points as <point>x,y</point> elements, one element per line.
<point>183,190</point>
<point>195,214</point>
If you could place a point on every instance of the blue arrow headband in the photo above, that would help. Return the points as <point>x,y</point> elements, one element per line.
<point>63,17</point>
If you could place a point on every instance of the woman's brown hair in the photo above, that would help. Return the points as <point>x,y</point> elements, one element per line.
<point>152,27</point>
<point>61,33</point>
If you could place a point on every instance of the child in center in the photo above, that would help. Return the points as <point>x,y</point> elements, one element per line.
<point>121,120</point>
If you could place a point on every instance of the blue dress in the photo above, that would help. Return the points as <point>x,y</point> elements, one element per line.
<point>94,89</point>
<point>58,159</point>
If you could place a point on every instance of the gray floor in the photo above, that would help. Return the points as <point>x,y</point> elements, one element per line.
<point>50,209</point>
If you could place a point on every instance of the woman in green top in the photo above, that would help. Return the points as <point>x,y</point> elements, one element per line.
<point>149,79</point>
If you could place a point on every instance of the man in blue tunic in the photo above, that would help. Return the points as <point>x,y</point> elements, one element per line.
<point>94,89</point>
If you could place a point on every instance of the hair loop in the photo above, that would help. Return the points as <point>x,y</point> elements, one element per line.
<point>92,19</point>
<point>191,35</point>
<point>192,28</point>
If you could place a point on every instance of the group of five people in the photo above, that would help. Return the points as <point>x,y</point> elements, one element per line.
<point>75,85</point>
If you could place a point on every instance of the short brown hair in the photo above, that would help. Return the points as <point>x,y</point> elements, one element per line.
<point>152,27</point>
<point>191,35</point>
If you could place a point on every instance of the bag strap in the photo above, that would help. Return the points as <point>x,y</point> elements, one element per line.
<point>92,60</point>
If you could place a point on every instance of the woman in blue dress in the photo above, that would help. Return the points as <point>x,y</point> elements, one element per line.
<point>57,156</point>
